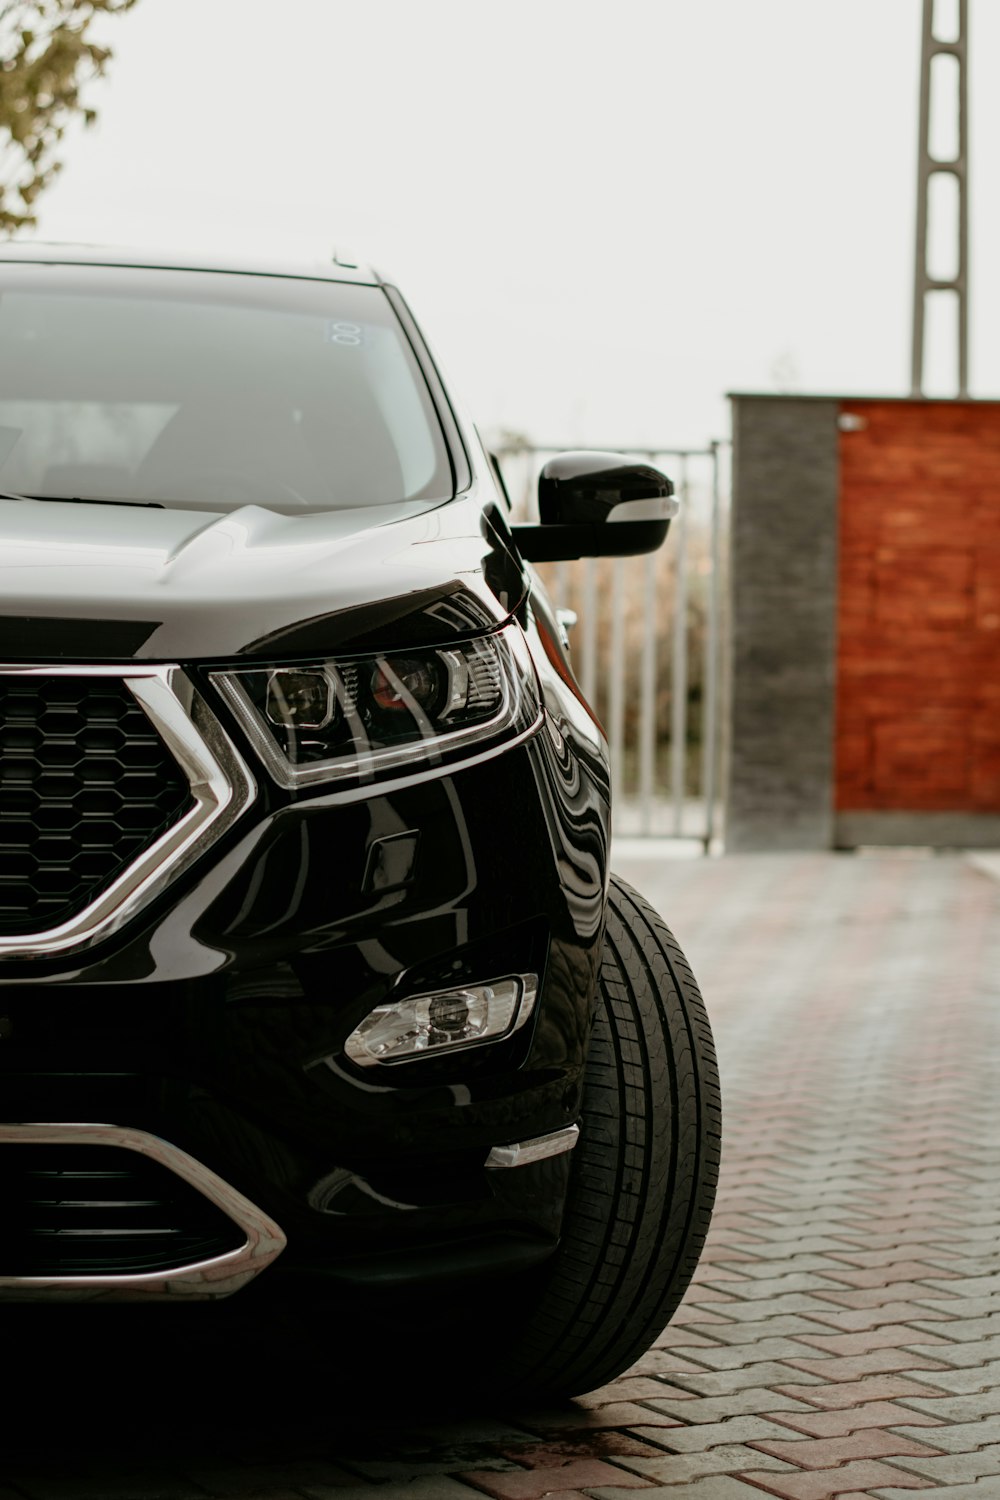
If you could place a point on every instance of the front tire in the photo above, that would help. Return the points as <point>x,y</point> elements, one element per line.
<point>644,1172</point>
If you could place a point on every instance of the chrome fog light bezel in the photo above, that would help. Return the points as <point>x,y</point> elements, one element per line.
<point>416,1034</point>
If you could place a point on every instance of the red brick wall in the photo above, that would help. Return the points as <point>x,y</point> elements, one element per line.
<point>918,668</point>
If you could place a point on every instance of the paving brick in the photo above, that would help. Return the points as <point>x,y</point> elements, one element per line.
<point>851,1393</point>
<point>918,1237</point>
<point>721,1357</point>
<point>957,1437</point>
<point>627,1414</point>
<point>876,1296</point>
<point>835,1423</point>
<point>673,1468</point>
<point>784,1225</point>
<point>752,1401</point>
<point>605,1443</point>
<point>972,1285</point>
<point>752,1309</point>
<point>828,1452</point>
<point>795,1251</point>
<point>879,1361</point>
<point>532,1484</point>
<point>956,1467</point>
<point>868,1259</point>
<point>823,1484</point>
<point>960,1355</point>
<point>863,1341</point>
<point>953,1408</point>
<point>978,1265</point>
<point>655,1362</point>
<point>715,1487</point>
<point>885,1270</point>
<point>960,1306</point>
<point>676,1364</point>
<point>683,1337</point>
<point>581,1494</point>
<point>961,1381</point>
<point>719,1382</point>
<point>763,1282</point>
<point>977,1490</point>
<point>628,1388</point>
<point>788,1325</point>
<point>964,1330</point>
<point>700,1294</point>
<point>703,1435</point>
<point>693,1312</point>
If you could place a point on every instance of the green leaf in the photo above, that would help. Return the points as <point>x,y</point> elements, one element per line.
<point>46,61</point>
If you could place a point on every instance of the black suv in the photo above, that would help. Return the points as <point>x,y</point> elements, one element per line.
<point>312,972</point>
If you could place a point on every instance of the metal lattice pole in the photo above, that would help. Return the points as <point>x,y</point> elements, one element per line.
<point>927,166</point>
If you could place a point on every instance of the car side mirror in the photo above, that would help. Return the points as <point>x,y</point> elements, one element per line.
<point>597,505</point>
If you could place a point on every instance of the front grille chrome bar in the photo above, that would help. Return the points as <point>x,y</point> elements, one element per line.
<point>221,789</point>
<point>204,1280</point>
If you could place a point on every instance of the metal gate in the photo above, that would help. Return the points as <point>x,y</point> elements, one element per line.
<point>646,635</point>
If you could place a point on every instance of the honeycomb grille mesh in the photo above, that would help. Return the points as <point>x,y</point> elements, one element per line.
<point>86,785</point>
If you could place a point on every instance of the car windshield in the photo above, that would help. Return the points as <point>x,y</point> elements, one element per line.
<point>209,390</point>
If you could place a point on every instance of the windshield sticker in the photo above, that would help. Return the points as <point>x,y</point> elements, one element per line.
<point>351,335</point>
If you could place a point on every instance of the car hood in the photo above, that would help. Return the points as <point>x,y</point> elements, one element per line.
<point>92,582</point>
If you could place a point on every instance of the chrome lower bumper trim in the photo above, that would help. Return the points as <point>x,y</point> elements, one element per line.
<point>201,1281</point>
<point>523,1152</point>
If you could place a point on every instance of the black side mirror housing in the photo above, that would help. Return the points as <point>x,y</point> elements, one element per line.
<point>597,505</point>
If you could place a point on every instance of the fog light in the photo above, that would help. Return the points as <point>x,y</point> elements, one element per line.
<point>450,1013</point>
<point>443,1021</point>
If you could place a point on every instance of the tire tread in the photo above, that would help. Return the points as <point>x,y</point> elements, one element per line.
<point>645,1175</point>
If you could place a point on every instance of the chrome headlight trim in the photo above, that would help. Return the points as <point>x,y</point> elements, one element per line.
<point>221,788</point>
<point>514,719</point>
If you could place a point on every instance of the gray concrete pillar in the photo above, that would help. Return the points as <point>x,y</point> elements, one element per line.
<point>779,742</point>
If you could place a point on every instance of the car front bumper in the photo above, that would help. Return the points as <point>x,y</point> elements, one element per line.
<point>217,1021</point>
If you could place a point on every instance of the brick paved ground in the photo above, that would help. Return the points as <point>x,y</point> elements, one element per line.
<point>843,1335</point>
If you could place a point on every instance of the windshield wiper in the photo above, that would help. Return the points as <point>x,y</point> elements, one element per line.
<point>83,500</point>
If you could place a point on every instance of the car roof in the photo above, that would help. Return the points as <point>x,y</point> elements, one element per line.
<point>340,266</point>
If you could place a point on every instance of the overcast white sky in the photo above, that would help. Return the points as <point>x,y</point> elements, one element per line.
<point>605,215</point>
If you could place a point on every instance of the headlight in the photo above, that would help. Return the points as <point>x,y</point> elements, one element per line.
<point>363,717</point>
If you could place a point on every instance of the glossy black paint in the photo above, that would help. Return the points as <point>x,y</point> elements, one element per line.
<point>173,585</point>
<point>597,505</point>
<point>218,1021</point>
<point>576,488</point>
<point>217,1016</point>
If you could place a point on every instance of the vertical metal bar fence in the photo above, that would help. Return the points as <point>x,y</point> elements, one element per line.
<point>647,646</point>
